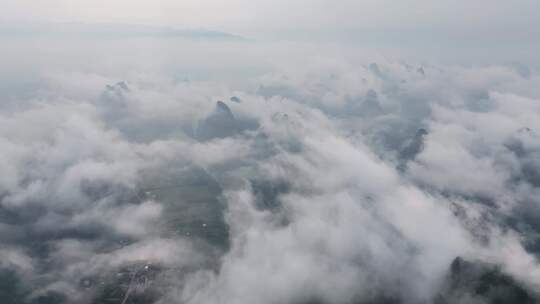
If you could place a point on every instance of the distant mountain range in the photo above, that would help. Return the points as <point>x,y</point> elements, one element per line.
<point>116,31</point>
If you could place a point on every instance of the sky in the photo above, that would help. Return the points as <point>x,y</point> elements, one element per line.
<point>496,18</point>
<point>463,32</point>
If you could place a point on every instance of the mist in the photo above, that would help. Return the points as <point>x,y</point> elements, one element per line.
<point>300,163</point>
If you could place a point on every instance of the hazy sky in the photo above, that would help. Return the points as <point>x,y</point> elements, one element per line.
<point>483,17</point>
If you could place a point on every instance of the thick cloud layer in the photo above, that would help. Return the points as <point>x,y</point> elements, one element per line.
<point>326,182</point>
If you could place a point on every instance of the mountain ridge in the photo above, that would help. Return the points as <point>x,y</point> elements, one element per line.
<point>118,30</point>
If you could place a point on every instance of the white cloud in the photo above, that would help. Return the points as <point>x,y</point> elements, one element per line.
<point>308,198</point>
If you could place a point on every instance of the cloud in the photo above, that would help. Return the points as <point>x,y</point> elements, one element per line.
<point>332,180</point>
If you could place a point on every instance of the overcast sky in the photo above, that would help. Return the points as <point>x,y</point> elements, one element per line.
<point>480,31</point>
<point>481,17</point>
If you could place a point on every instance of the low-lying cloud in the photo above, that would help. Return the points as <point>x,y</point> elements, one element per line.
<point>331,182</point>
